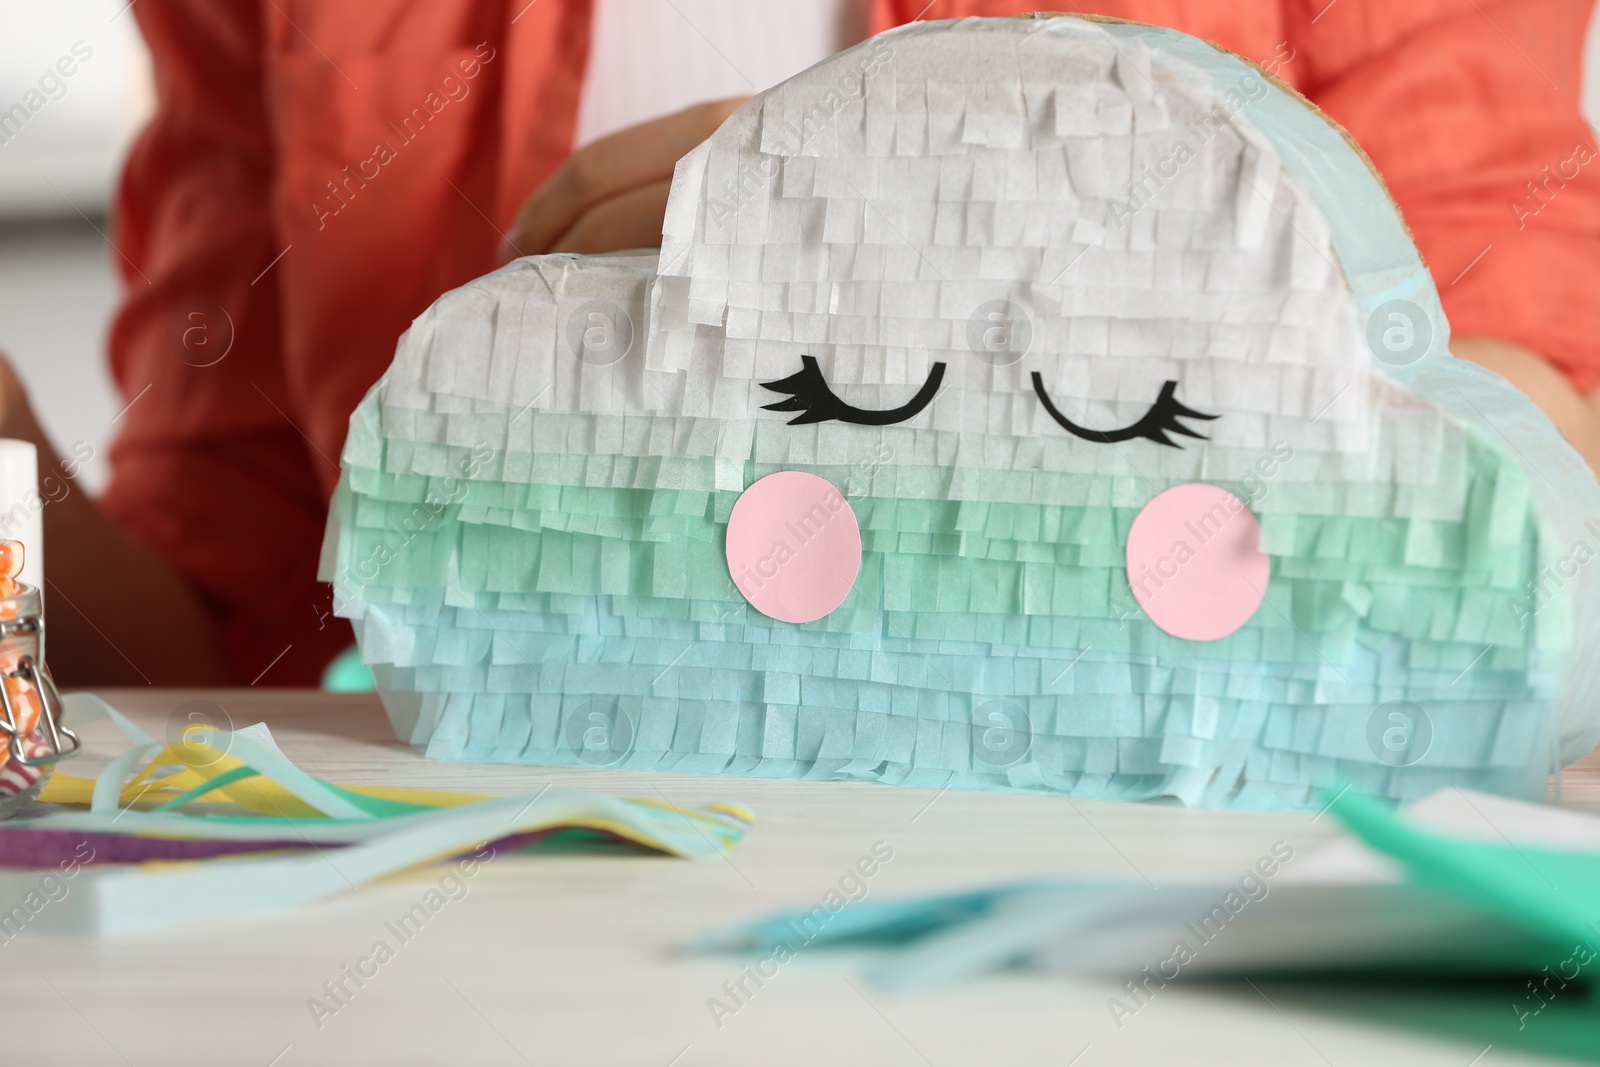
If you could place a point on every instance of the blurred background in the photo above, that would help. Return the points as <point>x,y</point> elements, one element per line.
<point>58,167</point>
<point>58,286</point>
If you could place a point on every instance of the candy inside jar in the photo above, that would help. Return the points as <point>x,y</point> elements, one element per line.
<point>32,737</point>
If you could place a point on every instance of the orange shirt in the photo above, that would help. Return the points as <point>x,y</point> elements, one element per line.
<point>318,172</point>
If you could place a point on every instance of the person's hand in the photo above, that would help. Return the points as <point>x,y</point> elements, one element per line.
<point>1575,415</point>
<point>612,194</point>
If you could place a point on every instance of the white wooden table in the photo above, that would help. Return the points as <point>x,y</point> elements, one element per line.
<point>575,958</point>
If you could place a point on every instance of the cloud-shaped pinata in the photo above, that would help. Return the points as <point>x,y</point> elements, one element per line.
<point>1044,404</point>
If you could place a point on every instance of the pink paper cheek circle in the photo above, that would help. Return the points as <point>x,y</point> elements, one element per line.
<point>794,546</point>
<point>1195,563</point>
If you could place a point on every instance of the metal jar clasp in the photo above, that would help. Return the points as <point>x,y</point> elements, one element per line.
<point>38,676</point>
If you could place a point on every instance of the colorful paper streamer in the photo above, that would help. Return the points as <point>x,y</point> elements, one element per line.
<point>238,830</point>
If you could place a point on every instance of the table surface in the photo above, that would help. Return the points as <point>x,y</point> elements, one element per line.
<point>576,958</point>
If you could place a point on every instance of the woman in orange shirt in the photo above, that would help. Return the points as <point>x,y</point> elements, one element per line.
<point>317,173</point>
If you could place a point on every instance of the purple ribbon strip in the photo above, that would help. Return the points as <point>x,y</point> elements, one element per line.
<point>38,849</point>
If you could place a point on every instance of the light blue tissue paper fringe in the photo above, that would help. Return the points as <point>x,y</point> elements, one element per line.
<point>922,713</point>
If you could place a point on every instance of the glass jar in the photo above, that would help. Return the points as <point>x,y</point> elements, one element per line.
<point>32,737</point>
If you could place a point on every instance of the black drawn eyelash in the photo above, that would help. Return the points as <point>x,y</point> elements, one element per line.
<point>810,395</point>
<point>1160,420</point>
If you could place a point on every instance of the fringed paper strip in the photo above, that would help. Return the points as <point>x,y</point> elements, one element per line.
<point>289,838</point>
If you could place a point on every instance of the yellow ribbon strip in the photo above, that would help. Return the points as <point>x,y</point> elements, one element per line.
<point>202,763</point>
